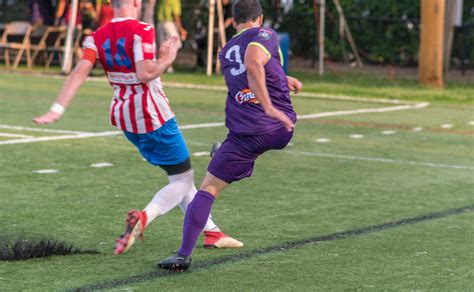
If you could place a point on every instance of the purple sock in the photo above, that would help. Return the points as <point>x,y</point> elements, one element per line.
<point>196,217</point>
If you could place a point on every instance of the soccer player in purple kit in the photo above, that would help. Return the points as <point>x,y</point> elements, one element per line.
<point>259,116</point>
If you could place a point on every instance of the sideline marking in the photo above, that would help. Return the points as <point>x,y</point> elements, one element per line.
<point>418,129</point>
<point>384,160</point>
<point>10,135</point>
<point>389,132</point>
<point>56,138</point>
<point>45,171</point>
<point>322,140</point>
<point>102,164</point>
<point>300,94</point>
<point>224,89</point>
<point>365,111</point>
<point>447,126</point>
<point>41,130</point>
<point>356,136</point>
<point>279,248</point>
<point>203,153</point>
<point>81,135</point>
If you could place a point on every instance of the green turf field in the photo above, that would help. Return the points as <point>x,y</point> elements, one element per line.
<point>390,208</point>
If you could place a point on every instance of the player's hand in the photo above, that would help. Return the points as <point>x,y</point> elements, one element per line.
<point>183,34</point>
<point>47,118</point>
<point>169,50</point>
<point>282,117</point>
<point>294,84</point>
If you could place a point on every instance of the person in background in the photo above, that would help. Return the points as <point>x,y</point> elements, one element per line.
<point>104,11</point>
<point>229,29</point>
<point>41,12</point>
<point>168,15</point>
<point>88,15</point>
<point>62,14</point>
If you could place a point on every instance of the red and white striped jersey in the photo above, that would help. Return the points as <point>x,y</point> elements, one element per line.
<point>136,107</point>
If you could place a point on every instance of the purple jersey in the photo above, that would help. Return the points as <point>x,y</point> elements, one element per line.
<point>244,114</point>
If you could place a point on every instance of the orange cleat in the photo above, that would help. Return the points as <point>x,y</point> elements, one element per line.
<point>220,240</point>
<point>134,228</point>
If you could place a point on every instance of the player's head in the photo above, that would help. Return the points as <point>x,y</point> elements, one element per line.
<point>244,11</point>
<point>134,6</point>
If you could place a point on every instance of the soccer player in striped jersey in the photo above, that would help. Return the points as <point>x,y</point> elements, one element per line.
<point>126,50</point>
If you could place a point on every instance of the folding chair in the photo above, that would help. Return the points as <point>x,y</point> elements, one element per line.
<point>59,45</point>
<point>20,32</point>
<point>49,37</point>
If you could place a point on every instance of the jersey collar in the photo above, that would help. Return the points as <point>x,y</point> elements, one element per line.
<point>119,19</point>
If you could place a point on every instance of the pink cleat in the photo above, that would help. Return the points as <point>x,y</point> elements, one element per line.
<point>220,240</point>
<point>134,228</point>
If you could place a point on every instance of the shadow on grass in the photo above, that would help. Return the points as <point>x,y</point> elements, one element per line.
<point>22,248</point>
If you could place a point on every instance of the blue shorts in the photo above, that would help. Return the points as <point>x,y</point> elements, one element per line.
<point>165,146</point>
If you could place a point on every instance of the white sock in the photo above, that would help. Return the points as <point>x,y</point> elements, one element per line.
<point>171,195</point>
<point>210,225</point>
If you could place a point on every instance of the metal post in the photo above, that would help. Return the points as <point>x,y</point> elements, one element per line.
<point>322,13</point>
<point>68,53</point>
<point>210,37</point>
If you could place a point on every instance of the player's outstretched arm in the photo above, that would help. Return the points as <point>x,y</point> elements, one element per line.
<point>67,93</point>
<point>254,61</point>
<point>294,84</point>
<point>148,70</point>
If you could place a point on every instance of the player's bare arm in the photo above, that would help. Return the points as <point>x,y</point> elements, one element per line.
<point>182,31</point>
<point>148,70</point>
<point>67,93</point>
<point>254,61</point>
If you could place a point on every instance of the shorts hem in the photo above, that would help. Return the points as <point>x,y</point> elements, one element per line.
<point>220,177</point>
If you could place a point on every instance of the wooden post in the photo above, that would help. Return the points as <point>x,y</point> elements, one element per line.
<point>430,65</point>
<point>316,23</point>
<point>210,37</point>
<point>453,8</point>
<point>222,37</point>
<point>345,29</point>
<point>71,29</point>
<point>322,14</point>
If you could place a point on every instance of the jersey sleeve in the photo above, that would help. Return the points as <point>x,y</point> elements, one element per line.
<point>267,40</point>
<point>177,8</point>
<point>144,47</point>
<point>90,50</point>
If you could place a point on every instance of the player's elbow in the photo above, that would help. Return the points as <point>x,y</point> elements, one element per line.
<point>253,67</point>
<point>144,76</point>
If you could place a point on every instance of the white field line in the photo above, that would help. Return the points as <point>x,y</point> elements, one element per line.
<point>200,126</point>
<point>382,160</point>
<point>365,111</point>
<point>302,94</point>
<point>64,137</point>
<point>224,89</point>
<point>9,127</point>
<point>10,135</point>
<point>81,135</point>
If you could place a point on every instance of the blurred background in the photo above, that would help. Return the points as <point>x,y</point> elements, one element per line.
<point>385,33</point>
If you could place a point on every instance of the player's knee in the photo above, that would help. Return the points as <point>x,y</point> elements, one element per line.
<point>213,185</point>
<point>184,177</point>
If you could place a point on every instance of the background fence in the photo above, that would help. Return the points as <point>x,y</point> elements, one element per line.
<point>385,32</point>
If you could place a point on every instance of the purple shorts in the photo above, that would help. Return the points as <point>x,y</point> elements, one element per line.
<point>236,157</point>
